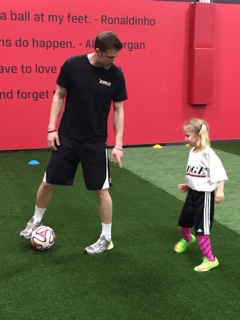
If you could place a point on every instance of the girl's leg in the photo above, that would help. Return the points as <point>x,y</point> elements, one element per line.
<point>205,247</point>
<point>187,240</point>
<point>186,233</point>
<point>209,261</point>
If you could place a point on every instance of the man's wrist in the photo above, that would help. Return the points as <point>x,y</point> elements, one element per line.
<point>118,148</point>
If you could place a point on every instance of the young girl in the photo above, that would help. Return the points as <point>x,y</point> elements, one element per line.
<point>204,174</point>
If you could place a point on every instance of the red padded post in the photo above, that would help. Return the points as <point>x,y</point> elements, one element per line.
<point>201,53</point>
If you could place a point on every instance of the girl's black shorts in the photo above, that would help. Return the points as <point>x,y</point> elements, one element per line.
<point>198,211</point>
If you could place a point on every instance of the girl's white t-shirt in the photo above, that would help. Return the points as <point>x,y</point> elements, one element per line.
<point>204,170</point>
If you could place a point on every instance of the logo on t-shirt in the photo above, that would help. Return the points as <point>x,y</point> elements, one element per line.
<point>196,171</point>
<point>105,83</point>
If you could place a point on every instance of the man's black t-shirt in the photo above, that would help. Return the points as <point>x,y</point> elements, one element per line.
<point>90,92</point>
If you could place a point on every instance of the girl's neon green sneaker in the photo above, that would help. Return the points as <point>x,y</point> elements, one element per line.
<point>207,265</point>
<point>182,245</point>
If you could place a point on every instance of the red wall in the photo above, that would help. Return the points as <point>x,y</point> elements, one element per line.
<point>156,73</point>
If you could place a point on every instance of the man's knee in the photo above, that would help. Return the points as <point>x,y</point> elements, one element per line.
<point>46,186</point>
<point>103,194</point>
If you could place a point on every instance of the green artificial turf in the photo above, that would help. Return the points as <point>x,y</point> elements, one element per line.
<point>141,278</point>
<point>232,147</point>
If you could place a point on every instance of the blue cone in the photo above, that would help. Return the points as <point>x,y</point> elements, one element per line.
<point>33,162</point>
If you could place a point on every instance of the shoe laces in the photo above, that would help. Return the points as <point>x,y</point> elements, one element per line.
<point>32,225</point>
<point>101,242</point>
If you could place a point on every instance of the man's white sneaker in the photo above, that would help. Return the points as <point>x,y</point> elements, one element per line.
<point>100,246</point>
<point>31,226</point>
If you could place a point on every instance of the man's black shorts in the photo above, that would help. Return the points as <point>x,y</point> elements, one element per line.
<point>63,164</point>
<point>198,211</point>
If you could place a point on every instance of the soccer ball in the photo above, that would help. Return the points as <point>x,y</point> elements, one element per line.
<point>43,238</point>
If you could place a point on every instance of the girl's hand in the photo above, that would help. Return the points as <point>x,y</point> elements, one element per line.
<point>183,187</point>
<point>219,196</point>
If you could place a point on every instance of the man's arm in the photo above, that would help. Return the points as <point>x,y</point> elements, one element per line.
<point>56,108</point>
<point>118,125</point>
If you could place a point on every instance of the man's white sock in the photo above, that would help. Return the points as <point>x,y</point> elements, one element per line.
<point>107,231</point>
<point>38,214</point>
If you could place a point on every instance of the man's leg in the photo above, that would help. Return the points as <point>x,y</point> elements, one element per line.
<point>44,196</point>
<point>105,209</point>
<point>105,206</point>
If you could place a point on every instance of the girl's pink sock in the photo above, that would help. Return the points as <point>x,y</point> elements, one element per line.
<point>205,246</point>
<point>186,233</point>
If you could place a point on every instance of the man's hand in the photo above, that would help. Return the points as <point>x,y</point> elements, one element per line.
<point>53,140</point>
<point>117,156</point>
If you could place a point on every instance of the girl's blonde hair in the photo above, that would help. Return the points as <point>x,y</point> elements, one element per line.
<point>201,128</point>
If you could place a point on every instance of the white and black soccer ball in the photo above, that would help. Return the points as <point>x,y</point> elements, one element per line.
<point>43,238</point>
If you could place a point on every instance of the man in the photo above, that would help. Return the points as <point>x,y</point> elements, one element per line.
<point>90,83</point>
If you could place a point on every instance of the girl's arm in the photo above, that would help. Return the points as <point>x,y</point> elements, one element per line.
<point>219,196</point>
<point>183,187</point>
